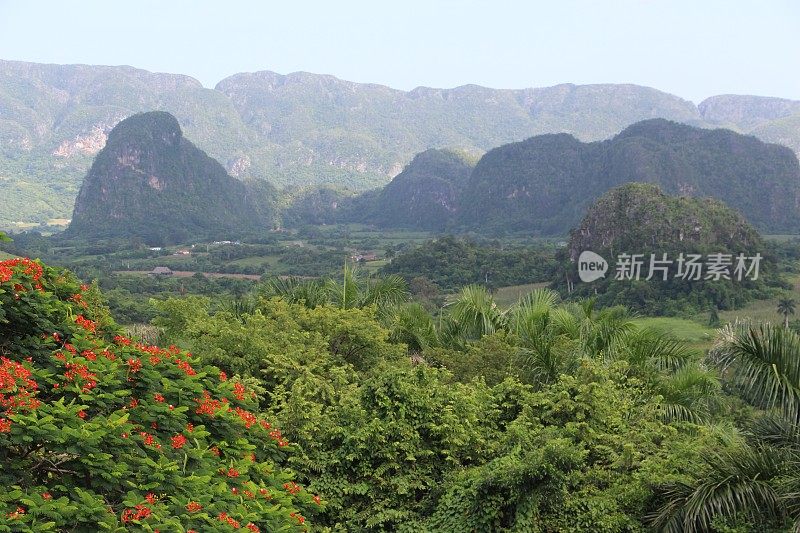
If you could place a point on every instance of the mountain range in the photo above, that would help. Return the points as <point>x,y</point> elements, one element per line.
<point>150,182</point>
<point>302,129</point>
<point>544,184</point>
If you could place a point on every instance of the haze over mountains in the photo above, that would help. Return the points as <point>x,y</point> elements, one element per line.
<point>306,129</point>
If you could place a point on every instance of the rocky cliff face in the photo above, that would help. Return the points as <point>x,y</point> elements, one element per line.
<point>151,182</point>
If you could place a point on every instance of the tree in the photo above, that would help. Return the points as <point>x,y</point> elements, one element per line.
<point>100,432</point>
<point>713,317</point>
<point>353,291</point>
<point>472,315</point>
<point>759,481</point>
<point>786,307</point>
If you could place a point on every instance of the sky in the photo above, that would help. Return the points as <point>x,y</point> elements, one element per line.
<point>694,49</point>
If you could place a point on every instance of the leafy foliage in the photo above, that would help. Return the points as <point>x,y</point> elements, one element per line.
<point>756,482</point>
<point>451,263</point>
<point>98,431</point>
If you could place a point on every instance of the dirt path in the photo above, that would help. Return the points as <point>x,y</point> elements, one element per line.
<point>188,274</point>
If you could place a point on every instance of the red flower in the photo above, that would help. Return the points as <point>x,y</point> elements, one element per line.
<point>140,512</point>
<point>239,391</point>
<point>207,405</point>
<point>247,417</point>
<point>232,472</point>
<point>193,507</point>
<point>186,367</point>
<point>252,527</point>
<point>86,324</point>
<point>134,365</point>
<point>119,339</point>
<point>292,488</point>
<point>223,376</point>
<point>150,497</point>
<point>82,414</point>
<point>178,441</point>
<point>47,496</point>
<point>158,397</point>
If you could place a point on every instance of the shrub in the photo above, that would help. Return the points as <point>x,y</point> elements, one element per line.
<point>99,432</point>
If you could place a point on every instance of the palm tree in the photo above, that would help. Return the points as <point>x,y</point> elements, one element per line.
<point>786,308</point>
<point>308,292</point>
<point>354,290</point>
<point>759,480</point>
<point>410,324</point>
<point>473,314</point>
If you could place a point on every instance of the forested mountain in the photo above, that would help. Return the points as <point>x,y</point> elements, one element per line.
<point>151,182</point>
<point>426,194</point>
<point>544,184</point>
<point>303,129</point>
<point>639,218</point>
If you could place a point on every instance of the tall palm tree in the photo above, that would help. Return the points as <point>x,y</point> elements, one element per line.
<point>786,307</point>
<point>759,480</point>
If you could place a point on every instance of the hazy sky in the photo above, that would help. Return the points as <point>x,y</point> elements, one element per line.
<point>693,48</point>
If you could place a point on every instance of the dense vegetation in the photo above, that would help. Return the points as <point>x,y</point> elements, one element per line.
<point>452,262</point>
<point>149,182</point>
<point>101,432</point>
<point>549,415</point>
<point>546,416</point>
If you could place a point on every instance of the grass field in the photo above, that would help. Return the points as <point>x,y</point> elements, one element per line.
<point>505,297</point>
<point>692,332</point>
<point>763,310</point>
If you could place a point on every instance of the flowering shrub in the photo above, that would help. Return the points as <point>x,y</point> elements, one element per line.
<point>99,432</point>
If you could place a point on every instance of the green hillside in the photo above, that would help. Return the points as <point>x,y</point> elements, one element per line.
<point>152,183</point>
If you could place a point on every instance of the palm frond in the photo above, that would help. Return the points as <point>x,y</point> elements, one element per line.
<point>737,484</point>
<point>763,362</point>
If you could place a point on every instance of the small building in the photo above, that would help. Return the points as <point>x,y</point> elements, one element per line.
<point>363,258</point>
<point>161,271</point>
